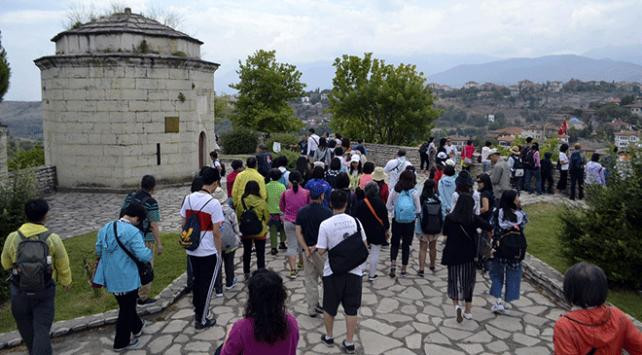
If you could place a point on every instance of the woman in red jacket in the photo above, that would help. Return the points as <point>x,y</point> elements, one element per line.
<point>593,327</point>
<point>467,155</point>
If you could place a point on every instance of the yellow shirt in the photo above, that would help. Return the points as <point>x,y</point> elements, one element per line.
<point>242,179</point>
<point>61,269</point>
<point>260,207</point>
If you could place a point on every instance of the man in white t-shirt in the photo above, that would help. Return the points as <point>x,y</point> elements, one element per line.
<point>484,156</point>
<point>204,259</point>
<point>395,167</point>
<point>344,289</point>
<point>313,142</point>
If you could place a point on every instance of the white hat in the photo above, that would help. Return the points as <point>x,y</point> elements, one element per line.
<point>493,151</point>
<point>450,162</point>
<point>220,195</point>
<point>355,159</point>
<point>442,155</point>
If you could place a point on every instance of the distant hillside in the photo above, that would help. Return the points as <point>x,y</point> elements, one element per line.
<point>24,118</point>
<point>541,69</point>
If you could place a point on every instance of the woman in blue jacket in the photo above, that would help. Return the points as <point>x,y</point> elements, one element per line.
<point>446,188</point>
<point>118,273</point>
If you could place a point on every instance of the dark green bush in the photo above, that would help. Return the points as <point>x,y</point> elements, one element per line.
<point>287,140</point>
<point>609,231</point>
<point>240,141</point>
<point>13,195</point>
<point>24,159</point>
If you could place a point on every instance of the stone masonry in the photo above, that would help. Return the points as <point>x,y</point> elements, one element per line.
<point>126,96</point>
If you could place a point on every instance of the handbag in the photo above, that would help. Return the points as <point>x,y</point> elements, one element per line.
<point>145,269</point>
<point>349,253</point>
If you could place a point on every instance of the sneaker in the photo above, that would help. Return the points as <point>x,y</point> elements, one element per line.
<point>348,349</point>
<point>403,273</point>
<point>468,316</point>
<point>282,246</point>
<point>299,265</point>
<point>132,343</point>
<point>232,285</point>
<point>432,268</point>
<point>420,273</point>
<point>327,341</point>
<point>273,251</point>
<point>140,332</point>
<point>219,294</point>
<point>498,308</point>
<point>318,309</point>
<point>142,302</point>
<point>372,278</point>
<point>393,271</point>
<point>460,316</point>
<point>246,276</point>
<point>293,274</point>
<point>208,323</point>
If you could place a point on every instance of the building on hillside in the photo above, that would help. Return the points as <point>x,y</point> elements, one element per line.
<point>613,100</point>
<point>623,139</point>
<point>619,125</point>
<point>126,96</point>
<point>555,86</point>
<point>505,140</point>
<point>534,132</point>
<point>635,108</point>
<point>305,100</point>
<point>4,145</point>
<point>471,85</point>
<point>491,118</point>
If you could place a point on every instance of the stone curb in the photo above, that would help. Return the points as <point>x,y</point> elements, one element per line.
<point>165,298</point>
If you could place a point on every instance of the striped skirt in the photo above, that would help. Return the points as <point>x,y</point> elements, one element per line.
<point>461,281</point>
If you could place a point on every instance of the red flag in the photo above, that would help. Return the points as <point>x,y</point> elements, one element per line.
<point>563,128</point>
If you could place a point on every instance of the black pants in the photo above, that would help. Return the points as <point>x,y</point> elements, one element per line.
<point>577,179</point>
<point>259,244</point>
<point>34,315</point>
<point>228,265</point>
<point>547,182</point>
<point>424,160</point>
<point>561,183</point>
<point>401,233</point>
<point>190,274</point>
<point>205,269</point>
<point>128,322</point>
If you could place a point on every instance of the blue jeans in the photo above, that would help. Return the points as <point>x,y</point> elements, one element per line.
<point>529,174</point>
<point>506,274</point>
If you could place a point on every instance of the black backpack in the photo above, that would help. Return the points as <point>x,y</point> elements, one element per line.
<point>431,216</point>
<point>508,244</point>
<point>349,253</point>
<point>190,237</point>
<point>528,161</point>
<point>145,225</point>
<point>32,271</point>
<point>249,222</point>
<point>424,148</point>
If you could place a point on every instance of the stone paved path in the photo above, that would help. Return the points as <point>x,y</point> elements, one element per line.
<point>409,315</point>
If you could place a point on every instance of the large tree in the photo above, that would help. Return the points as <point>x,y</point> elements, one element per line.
<point>5,71</point>
<point>380,103</point>
<point>264,89</point>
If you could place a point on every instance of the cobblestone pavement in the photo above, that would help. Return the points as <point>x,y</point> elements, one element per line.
<point>409,315</point>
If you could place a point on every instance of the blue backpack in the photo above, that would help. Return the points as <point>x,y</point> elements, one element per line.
<point>405,211</point>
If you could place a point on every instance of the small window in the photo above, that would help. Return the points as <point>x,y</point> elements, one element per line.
<point>171,124</point>
<point>158,154</point>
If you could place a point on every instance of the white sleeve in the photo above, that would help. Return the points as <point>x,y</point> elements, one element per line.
<point>183,211</point>
<point>322,241</point>
<point>389,166</point>
<point>390,204</point>
<point>216,211</point>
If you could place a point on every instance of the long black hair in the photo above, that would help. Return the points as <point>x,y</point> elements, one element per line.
<point>295,179</point>
<point>463,212</point>
<point>428,190</point>
<point>266,306</point>
<point>507,204</point>
<point>485,179</point>
<point>406,181</point>
<point>303,167</point>
<point>252,188</point>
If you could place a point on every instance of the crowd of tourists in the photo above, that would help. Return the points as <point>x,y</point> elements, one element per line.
<point>331,217</point>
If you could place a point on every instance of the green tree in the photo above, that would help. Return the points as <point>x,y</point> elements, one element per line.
<point>379,102</point>
<point>264,89</point>
<point>5,71</point>
<point>223,108</point>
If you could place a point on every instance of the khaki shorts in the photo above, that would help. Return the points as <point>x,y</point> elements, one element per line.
<point>428,237</point>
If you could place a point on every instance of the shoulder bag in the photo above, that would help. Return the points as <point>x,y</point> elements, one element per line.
<point>145,269</point>
<point>349,253</point>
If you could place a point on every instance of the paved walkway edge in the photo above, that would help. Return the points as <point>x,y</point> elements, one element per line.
<point>165,298</point>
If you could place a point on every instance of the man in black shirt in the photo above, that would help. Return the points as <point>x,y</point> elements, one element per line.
<point>307,232</point>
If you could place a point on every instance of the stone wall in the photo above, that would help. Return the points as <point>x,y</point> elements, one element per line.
<point>45,178</point>
<point>3,150</point>
<point>104,118</point>
<point>381,153</point>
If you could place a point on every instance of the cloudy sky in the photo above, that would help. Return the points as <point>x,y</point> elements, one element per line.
<point>309,31</point>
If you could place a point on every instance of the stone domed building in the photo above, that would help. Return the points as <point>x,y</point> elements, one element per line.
<point>126,96</point>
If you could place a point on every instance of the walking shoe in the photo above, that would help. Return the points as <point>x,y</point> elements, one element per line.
<point>327,341</point>
<point>468,316</point>
<point>349,349</point>
<point>393,271</point>
<point>140,332</point>
<point>142,302</point>
<point>403,273</point>
<point>131,344</point>
<point>420,273</point>
<point>232,285</point>
<point>299,265</point>
<point>372,278</point>
<point>460,317</point>
<point>273,251</point>
<point>282,246</point>
<point>498,308</point>
<point>208,323</point>
<point>219,294</point>
<point>293,274</point>
<point>246,276</point>
<point>318,309</point>
<point>432,268</point>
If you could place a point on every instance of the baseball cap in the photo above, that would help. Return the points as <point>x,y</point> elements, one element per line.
<point>355,158</point>
<point>316,188</point>
<point>442,155</point>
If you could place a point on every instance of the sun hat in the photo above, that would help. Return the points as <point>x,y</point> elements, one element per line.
<point>220,195</point>
<point>379,174</point>
<point>493,151</point>
<point>514,150</point>
<point>442,155</point>
<point>316,188</point>
<point>450,162</point>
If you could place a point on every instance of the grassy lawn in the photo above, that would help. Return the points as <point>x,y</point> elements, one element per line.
<point>80,299</point>
<point>542,232</point>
